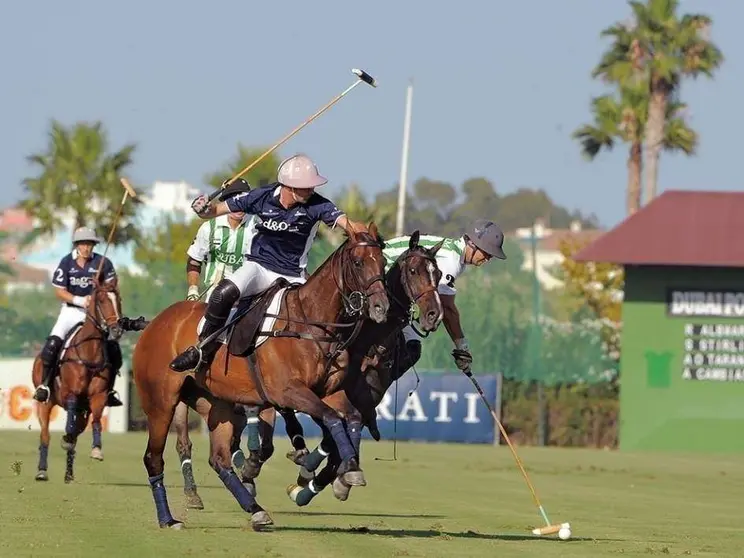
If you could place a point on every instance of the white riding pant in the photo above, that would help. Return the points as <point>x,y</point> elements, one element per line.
<point>68,317</point>
<point>252,278</point>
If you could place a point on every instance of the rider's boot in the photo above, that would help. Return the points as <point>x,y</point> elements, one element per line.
<point>114,355</point>
<point>48,356</point>
<point>225,294</point>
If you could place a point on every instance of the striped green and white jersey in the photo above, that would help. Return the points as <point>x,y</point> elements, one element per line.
<point>221,247</point>
<point>450,258</point>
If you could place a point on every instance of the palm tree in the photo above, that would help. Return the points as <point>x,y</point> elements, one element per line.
<point>617,119</point>
<point>658,50</point>
<point>626,118</point>
<point>79,178</point>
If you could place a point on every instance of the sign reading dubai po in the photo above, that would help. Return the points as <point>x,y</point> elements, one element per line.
<point>441,408</point>
<point>18,408</point>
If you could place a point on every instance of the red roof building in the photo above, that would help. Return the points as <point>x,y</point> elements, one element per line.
<point>678,228</point>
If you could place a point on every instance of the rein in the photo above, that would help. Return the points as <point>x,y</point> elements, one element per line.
<point>98,335</point>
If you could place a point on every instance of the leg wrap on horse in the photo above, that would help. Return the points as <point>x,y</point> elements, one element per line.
<point>338,431</point>
<point>318,455</point>
<point>43,454</point>
<point>303,495</point>
<point>354,428</point>
<point>97,443</point>
<point>161,500</point>
<point>71,408</point>
<point>251,426</point>
<point>189,484</point>
<point>236,488</point>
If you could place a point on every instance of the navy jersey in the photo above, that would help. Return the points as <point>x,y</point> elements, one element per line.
<point>79,280</point>
<point>281,238</point>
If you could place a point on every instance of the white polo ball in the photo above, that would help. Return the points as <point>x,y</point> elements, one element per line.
<point>564,533</point>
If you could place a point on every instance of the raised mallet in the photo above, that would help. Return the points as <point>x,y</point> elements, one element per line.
<point>128,191</point>
<point>548,529</point>
<point>362,77</point>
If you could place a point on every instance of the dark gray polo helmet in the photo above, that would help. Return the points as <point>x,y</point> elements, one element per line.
<point>487,236</point>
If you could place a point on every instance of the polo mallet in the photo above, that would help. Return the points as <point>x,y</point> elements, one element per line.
<point>549,528</point>
<point>128,191</point>
<point>362,77</point>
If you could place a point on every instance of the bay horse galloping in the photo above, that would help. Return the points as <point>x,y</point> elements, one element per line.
<point>375,354</point>
<point>86,370</point>
<point>303,352</point>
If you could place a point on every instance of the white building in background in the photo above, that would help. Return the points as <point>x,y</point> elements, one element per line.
<point>161,200</point>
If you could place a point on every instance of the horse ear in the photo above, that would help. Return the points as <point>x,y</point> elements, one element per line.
<point>373,230</point>
<point>414,240</point>
<point>350,232</point>
<point>434,249</point>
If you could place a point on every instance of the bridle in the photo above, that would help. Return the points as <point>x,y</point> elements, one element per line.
<point>413,298</point>
<point>95,315</point>
<point>357,300</point>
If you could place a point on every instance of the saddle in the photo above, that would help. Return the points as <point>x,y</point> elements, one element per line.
<point>252,311</point>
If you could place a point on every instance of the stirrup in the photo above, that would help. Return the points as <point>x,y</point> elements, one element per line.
<point>42,393</point>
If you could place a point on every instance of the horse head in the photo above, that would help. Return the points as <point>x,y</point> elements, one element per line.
<point>419,278</point>
<point>363,273</point>
<point>105,308</point>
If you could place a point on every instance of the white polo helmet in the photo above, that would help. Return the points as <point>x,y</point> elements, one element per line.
<point>85,234</point>
<point>299,171</point>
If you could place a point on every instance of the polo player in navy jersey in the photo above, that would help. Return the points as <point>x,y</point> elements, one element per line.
<point>73,282</point>
<point>288,214</point>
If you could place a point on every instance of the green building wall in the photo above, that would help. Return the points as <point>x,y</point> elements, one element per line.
<point>682,376</point>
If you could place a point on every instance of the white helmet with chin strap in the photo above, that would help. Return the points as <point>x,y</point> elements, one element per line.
<point>299,171</point>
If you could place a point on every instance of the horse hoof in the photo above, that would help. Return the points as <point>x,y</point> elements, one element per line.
<point>194,501</point>
<point>66,446</point>
<point>42,476</point>
<point>97,454</point>
<point>354,478</point>
<point>261,520</point>
<point>341,490</point>
<point>298,456</point>
<point>69,478</point>
<point>172,524</point>
<point>292,491</point>
<point>238,460</point>
<point>250,486</point>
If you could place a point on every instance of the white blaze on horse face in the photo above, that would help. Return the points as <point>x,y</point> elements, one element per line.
<point>431,269</point>
<point>112,298</point>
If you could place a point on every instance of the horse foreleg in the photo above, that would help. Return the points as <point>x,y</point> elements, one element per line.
<point>69,440</point>
<point>43,411</point>
<point>301,398</point>
<point>183,448</point>
<point>220,421</point>
<point>97,405</point>
<point>251,467</point>
<point>296,435</point>
<point>307,488</point>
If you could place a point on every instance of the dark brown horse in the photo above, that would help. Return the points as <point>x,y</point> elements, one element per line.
<point>84,377</point>
<point>305,353</point>
<point>375,355</point>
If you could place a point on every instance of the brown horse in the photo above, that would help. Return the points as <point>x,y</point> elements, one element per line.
<point>304,351</point>
<point>374,356</point>
<point>85,373</point>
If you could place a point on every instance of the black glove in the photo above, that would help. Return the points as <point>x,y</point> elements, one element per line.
<point>129,324</point>
<point>463,358</point>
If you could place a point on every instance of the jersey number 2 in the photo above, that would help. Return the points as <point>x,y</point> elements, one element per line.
<point>58,276</point>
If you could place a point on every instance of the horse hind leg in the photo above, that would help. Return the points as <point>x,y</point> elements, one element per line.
<point>183,448</point>
<point>221,425</point>
<point>158,424</point>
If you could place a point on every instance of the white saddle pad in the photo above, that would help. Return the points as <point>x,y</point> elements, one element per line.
<point>69,339</point>
<point>266,325</point>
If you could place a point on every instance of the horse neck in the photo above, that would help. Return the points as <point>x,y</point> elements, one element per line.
<point>322,306</point>
<point>373,333</point>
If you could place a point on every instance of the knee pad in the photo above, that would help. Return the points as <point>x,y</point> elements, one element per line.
<point>225,294</point>
<point>51,349</point>
<point>413,348</point>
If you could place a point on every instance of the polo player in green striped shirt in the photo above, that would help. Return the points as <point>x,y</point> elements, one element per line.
<point>483,241</point>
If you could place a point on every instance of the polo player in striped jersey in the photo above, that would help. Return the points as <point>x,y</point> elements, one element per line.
<point>221,243</point>
<point>483,241</point>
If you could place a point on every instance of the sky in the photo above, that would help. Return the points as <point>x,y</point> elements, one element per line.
<point>498,89</point>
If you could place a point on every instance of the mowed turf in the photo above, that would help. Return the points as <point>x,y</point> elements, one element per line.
<point>436,500</point>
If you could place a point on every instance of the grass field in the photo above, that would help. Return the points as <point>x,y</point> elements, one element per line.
<point>436,500</point>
